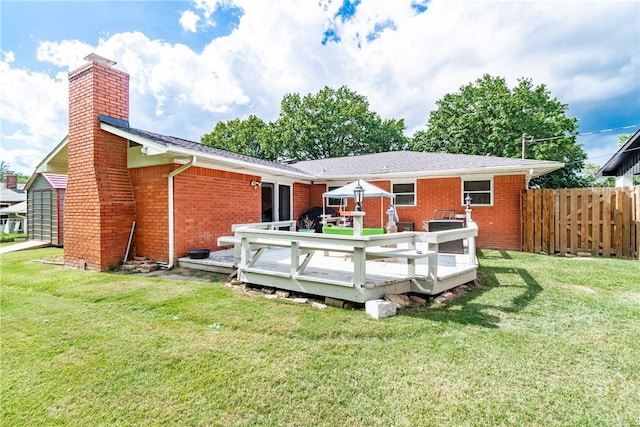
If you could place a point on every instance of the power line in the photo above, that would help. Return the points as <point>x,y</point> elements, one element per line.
<point>582,134</point>
<point>603,155</point>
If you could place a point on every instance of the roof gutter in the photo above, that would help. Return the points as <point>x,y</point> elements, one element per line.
<point>531,171</point>
<point>172,174</point>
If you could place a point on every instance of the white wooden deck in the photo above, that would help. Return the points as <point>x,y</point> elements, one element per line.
<point>344,267</point>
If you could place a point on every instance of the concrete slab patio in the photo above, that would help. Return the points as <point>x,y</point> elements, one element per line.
<point>29,244</point>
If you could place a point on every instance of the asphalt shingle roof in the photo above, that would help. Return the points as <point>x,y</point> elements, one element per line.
<point>195,146</point>
<point>12,196</point>
<point>398,162</point>
<point>405,161</point>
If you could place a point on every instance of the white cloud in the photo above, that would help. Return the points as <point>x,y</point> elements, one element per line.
<point>583,55</point>
<point>65,54</point>
<point>33,109</point>
<point>603,146</point>
<point>9,57</point>
<point>208,7</point>
<point>189,21</point>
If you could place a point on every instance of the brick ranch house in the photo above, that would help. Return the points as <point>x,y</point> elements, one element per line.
<point>184,195</point>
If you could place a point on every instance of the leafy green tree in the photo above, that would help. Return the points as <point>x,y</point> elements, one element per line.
<point>331,123</point>
<point>589,172</point>
<point>623,138</point>
<point>252,137</point>
<point>6,167</point>
<point>335,123</point>
<point>488,118</point>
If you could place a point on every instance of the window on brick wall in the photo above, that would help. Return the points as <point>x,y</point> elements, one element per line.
<point>481,192</point>
<point>405,193</point>
<point>331,201</point>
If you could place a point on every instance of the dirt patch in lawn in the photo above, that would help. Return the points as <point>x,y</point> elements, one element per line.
<point>179,273</point>
<point>580,288</point>
<point>633,296</point>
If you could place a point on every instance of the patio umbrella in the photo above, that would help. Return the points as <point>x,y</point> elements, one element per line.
<point>370,191</point>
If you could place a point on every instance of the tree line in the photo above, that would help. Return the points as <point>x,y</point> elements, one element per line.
<point>485,117</point>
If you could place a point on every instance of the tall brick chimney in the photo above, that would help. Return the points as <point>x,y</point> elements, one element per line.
<point>10,180</point>
<point>99,205</point>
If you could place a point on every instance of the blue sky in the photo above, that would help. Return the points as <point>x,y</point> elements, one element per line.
<point>194,63</point>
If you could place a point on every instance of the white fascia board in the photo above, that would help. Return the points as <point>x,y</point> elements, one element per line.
<point>52,154</point>
<point>41,166</point>
<point>531,170</point>
<point>265,173</point>
<point>154,147</point>
<point>233,165</point>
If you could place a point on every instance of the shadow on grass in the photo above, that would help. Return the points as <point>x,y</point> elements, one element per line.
<point>464,310</point>
<point>481,254</point>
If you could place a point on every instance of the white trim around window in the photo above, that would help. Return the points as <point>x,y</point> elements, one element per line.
<point>331,201</point>
<point>405,192</point>
<point>479,188</point>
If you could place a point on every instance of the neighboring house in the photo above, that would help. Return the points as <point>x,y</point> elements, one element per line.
<point>625,163</point>
<point>12,193</point>
<point>183,195</point>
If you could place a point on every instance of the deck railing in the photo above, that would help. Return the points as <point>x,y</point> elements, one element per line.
<point>272,225</point>
<point>252,239</point>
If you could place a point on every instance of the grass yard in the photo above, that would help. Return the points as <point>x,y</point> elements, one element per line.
<point>545,341</point>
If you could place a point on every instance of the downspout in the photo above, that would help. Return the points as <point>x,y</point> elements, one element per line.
<point>528,176</point>
<point>171,215</point>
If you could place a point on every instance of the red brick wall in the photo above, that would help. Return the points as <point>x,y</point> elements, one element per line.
<point>499,226</point>
<point>301,199</point>
<point>150,187</point>
<point>432,194</point>
<point>207,202</point>
<point>315,194</point>
<point>99,204</point>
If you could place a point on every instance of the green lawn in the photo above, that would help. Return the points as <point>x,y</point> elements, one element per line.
<point>542,341</point>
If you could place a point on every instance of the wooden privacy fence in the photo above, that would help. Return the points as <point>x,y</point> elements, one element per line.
<point>599,221</point>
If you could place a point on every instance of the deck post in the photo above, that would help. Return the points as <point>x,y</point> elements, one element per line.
<point>295,258</point>
<point>359,267</point>
<point>357,222</point>
<point>471,243</point>
<point>433,262</point>
<point>245,251</point>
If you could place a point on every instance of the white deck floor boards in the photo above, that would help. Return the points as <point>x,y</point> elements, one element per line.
<point>336,265</point>
<point>399,263</point>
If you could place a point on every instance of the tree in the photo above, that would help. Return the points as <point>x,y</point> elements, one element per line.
<point>335,123</point>
<point>6,167</point>
<point>589,172</point>
<point>331,123</point>
<point>488,118</point>
<point>252,137</point>
<point>623,138</point>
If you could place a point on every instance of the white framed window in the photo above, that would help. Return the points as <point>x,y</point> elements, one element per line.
<point>405,193</point>
<point>480,191</point>
<point>332,201</point>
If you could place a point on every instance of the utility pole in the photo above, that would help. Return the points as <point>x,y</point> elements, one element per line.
<point>525,138</point>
